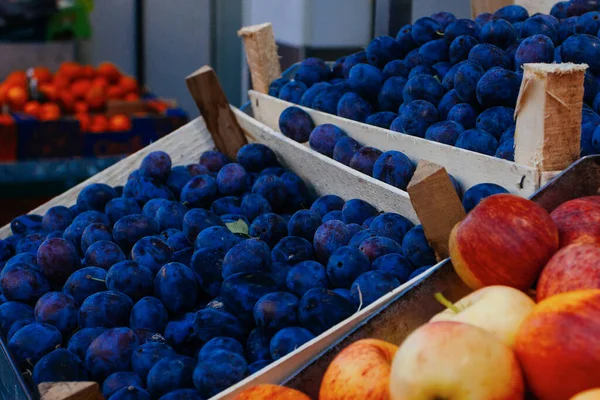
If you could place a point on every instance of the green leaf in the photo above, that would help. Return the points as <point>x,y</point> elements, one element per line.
<point>238,226</point>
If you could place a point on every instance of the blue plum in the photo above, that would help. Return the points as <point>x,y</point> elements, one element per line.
<point>394,265</point>
<point>210,323</point>
<point>370,286</point>
<point>198,219</point>
<point>287,340</point>
<point>478,141</point>
<point>176,287</point>
<point>130,278</point>
<point>81,340</point>
<point>446,132</point>
<point>417,116</point>
<point>292,91</point>
<point>354,107</point>
<point>416,247</point>
<point>59,366</point>
<point>30,343</point>
<point>119,380</point>
<point>111,352</point>
<point>218,372</point>
<point>240,292</point>
<point>57,218</point>
<point>130,229</point>
<point>200,191</point>
<point>106,309</point>
<point>464,114</point>
<point>103,254</point>
<point>170,373</point>
<point>423,87</point>
<point>477,193</point>
<point>320,309</point>
<point>498,87</point>
<point>364,159</point>
<point>59,310</point>
<point>344,149</point>
<point>149,313</point>
<point>296,124</point>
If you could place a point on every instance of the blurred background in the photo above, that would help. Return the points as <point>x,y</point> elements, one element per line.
<point>57,128</point>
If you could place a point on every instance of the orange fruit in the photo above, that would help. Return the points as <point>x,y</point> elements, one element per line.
<point>18,77</point>
<point>87,72</point>
<point>115,92</point>
<point>70,70</point>
<point>48,90</point>
<point>158,106</point>
<point>100,81</point>
<point>80,87</point>
<point>129,84</point>
<point>61,81</point>
<point>120,123</point>
<point>50,112</point>
<point>6,120</point>
<point>85,121</point>
<point>16,98</point>
<point>81,107</point>
<point>109,71</point>
<point>67,101</point>
<point>33,108</point>
<point>42,74</point>
<point>96,97</point>
<point>132,97</point>
<point>99,124</point>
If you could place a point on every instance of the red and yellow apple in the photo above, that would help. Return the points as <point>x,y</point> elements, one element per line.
<point>578,221</point>
<point>499,310</point>
<point>558,347</point>
<point>452,360</point>
<point>361,371</point>
<point>592,394</point>
<point>270,392</point>
<point>506,240</point>
<point>574,267</point>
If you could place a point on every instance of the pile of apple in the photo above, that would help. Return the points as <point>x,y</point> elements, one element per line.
<point>496,343</point>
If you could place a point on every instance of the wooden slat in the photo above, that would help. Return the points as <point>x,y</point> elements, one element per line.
<point>325,175</point>
<point>468,167</point>
<point>436,203</point>
<point>70,391</point>
<point>548,131</point>
<point>184,146</point>
<point>261,53</point>
<point>212,103</point>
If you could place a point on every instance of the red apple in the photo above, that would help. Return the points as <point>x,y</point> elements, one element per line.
<point>558,345</point>
<point>361,371</point>
<point>270,392</point>
<point>506,240</point>
<point>574,267</point>
<point>452,360</point>
<point>578,221</point>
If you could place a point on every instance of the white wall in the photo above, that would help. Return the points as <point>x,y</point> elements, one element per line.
<point>424,8</point>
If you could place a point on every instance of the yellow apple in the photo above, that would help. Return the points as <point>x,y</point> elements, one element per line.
<point>452,360</point>
<point>592,394</point>
<point>497,309</point>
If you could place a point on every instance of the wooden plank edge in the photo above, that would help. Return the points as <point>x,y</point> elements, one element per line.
<point>524,180</point>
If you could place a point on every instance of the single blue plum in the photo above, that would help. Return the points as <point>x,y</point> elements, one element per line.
<point>446,132</point>
<point>296,189</point>
<point>292,91</point>
<point>111,352</point>
<point>57,218</point>
<point>423,87</point>
<point>95,232</point>
<point>426,29</point>
<point>311,93</point>
<point>59,310</point>
<point>391,225</point>
<point>305,276</point>
<point>477,193</point>
<point>444,18</point>
<point>394,265</point>
<point>103,254</point>
<point>292,250</point>
<point>390,96</point>
<point>354,107</point>
<point>30,343</point>
<point>356,211</point>
<point>176,287</point>
<point>375,247</point>
<point>156,165</point>
<point>328,237</point>
<point>506,150</point>
<point>462,27</point>
<point>304,224</point>
<point>489,56</point>
<point>207,265</point>
<point>320,309</point>
<point>170,373</point>
<point>327,99</point>
<point>345,265</point>
<point>498,87</point>
<point>198,219</point>
<point>344,149</point>
<point>149,313</point>
<point>119,207</point>
<point>216,237</point>
<point>130,278</point>
<point>146,356</point>
<point>370,286</point>
<point>180,175</point>
<point>18,325</point>
<point>144,189</point>
<point>276,311</point>
<point>534,49</point>
<point>218,372</point>
<point>496,120</point>
<point>311,71</point>
<point>200,191</point>
<point>232,179</point>
<point>416,247</point>
<point>273,189</point>
<point>30,243</point>
<point>287,340</point>
<point>130,229</point>
<point>120,380</point>
<point>107,309</point>
<point>478,141</point>
<point>499,32</point>
<point>449,100</point>
<point>465,80</point>
<point>26,224</point>
<point>221,343</point>
<point>324,137</point>
<point>296,124</point>
<point>170,215</point>
<point>382,50</point>
<point>254,205</point>
<point>512,13</point>
<point>394,168</point>
<point>12,311</point>
<point>255,157</point>
<point>405,39</point>
<point>23,282</point>
<point>59,366</point>
<point>395,68</point>
<point>539,25</point>
<point>382,119</point>
<point>250,255</point>
<point>96,196</point>
<point>417,116</point>
<point>464,114</point>
<point>152,206</point>
<point>434,51</point>
<point>364,159</point>
<point>151,252</point>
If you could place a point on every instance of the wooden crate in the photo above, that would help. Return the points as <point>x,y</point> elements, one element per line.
<point>542,149</point>
<point>228,128</point>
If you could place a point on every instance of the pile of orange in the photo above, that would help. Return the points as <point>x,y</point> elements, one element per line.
<point>74,89</point>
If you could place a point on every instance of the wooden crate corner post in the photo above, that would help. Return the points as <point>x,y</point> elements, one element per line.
<point>548,114</point>
<point>437,205</point>
<point>261,53</point>
<point>212,103</point>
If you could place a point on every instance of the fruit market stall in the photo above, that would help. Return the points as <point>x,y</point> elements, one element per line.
<point>220,236</point>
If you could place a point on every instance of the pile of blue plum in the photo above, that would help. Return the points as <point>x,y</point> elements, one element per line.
<point>456,81</point>
<point>190,278</point>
